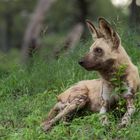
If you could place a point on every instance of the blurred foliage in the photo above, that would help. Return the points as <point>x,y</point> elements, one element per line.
<point>66,13</point>
<point>15,14</point>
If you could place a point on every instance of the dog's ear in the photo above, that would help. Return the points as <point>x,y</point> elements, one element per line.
<point>109,32</point>
<point>93,30</point>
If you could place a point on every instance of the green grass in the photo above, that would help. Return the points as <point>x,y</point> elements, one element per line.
<point>26,96</point>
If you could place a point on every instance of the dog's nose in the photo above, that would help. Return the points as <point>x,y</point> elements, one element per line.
<point>81,62</point>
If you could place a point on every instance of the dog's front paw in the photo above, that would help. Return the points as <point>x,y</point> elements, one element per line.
<point>123,123</point>
<point>46,126</point>
<point>104,120</point>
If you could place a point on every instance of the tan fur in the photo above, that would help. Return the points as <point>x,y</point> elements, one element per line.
<point>106,55</point>
<point>91,89</point>
<point>107,64</point>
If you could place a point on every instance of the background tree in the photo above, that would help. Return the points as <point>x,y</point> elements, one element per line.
<point>134,13</point>
<point>12,22</point>
<point>31,37</point>
<point>60,20</point>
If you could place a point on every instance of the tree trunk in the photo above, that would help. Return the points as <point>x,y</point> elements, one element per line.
<point>83,8</point>
<point>9,25</point>
<point>32,33</point>
<point>71,40</point>
<point>77,31</point>
<point>134,13</point>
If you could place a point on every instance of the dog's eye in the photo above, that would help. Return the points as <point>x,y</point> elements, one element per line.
<point>98,50</point>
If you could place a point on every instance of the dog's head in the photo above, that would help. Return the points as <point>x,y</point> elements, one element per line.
<point>103,51</point>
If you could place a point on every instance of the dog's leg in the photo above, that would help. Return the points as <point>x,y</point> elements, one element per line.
<point>130,111</point>
<point>105,93</point>
<point>77,103</point>
<point>54,111</point>
<point>103,110</point>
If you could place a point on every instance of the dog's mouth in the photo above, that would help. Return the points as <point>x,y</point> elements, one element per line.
<point>89,66</point>
<point>93,68</point>
<point>97,65</point>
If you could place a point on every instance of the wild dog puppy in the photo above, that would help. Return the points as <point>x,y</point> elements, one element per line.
<point>86,93</point>
<point>105,56</point>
